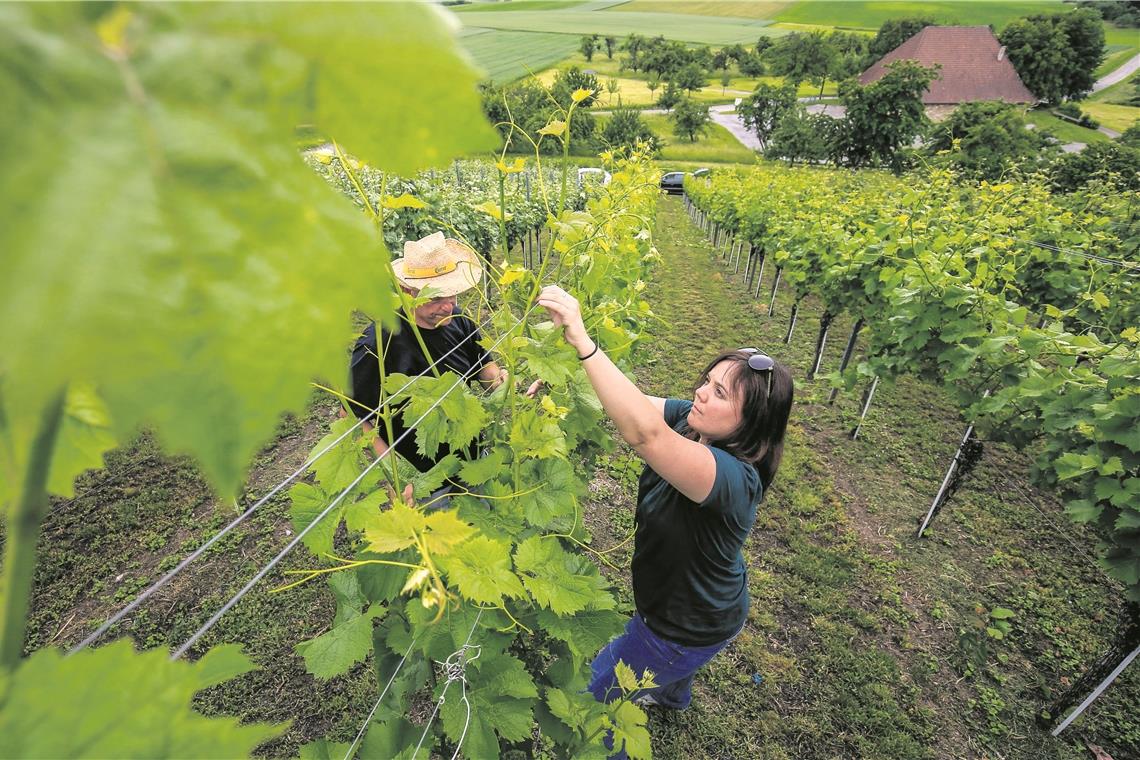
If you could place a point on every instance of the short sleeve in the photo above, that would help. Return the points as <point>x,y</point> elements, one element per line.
<point>736,487</point>
<point>365,374</point>
<point>676,410</point>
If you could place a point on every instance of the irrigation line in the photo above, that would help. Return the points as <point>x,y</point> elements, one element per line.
<point>161,582</point>
<point>375,707</point>
<point>332,505</point>
<point>455,672</point>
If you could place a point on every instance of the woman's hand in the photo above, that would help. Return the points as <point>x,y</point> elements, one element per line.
<point>566,313</point>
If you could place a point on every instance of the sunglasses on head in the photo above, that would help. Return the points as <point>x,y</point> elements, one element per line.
<point>759,361</point>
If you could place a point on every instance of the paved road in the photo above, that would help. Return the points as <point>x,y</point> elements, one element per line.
<point>1118,75</point>
<point>724,116</point>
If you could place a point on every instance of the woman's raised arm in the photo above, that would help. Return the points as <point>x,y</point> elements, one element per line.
<point>687,465</point>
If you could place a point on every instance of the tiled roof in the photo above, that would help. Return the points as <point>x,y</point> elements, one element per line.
<point>974,65</point>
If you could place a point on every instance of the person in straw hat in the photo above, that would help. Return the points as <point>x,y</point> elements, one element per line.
<point>443,268</point>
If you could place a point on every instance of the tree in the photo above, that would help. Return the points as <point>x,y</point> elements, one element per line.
<point>1131,136</point>
<point>803,57</point>
<point>625,129</point>
<point>893,33</point>
<point>612,88</point>
<point>588,45</point>
<point>801,136</point>
<point>690,119</point>
<point>670,96</point>
<point>1056,55</point>
<point>762,110</point>
<point>653,83</point>
<point>985,139</point>
<point>1117,165</point>
<point>884,117</point>
<point>633,45</point>
<point>690,78</point>
<point>610,43</point>
<point>725,78</point>
<point>570,80</point>
<point>752,65</point>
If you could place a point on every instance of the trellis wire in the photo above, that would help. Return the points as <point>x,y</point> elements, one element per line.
<point>455,672</point>
<point>1097,691</point>
<point>375,707</point>
<point>340,497</point>
<point>157,585</point>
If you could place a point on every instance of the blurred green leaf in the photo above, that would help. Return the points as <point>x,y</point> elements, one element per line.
<point>112,702</point>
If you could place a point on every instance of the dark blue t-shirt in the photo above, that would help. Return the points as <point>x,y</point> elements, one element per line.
<point>689,578</point>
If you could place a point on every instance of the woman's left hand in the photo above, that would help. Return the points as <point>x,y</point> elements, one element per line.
<point>567,314</point>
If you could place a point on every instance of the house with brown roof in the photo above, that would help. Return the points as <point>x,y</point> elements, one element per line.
<point>973,66</point>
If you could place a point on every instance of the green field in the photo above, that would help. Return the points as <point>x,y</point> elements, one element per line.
<point>871,15</point>
<point>517,5</point>
<point>507,55</point>
<point>1064,131</point>
<point>765,9</point>
<point>1109,105</point>
<point>1121,44</point>
<point>579,21</point>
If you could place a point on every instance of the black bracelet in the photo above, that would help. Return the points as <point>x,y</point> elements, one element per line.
<point>587,356</point>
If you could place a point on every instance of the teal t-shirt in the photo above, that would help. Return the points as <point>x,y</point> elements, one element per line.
<point>689,578</point>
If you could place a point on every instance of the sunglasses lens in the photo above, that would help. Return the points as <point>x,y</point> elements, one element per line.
<point>761,362</point>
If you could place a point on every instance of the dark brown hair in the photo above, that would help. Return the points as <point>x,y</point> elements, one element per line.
<point>759,440</point>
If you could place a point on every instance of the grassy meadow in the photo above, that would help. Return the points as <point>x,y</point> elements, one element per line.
<point>510,55</point>
<point>677,26</point>
<point>871,15</point>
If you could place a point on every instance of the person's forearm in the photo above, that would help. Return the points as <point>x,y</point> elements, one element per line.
<point>631,410</point>
<point>378,443</point>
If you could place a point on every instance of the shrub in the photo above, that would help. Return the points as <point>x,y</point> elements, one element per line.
<point>1113,163</point>
<point>626,129</point>
<point>983,140</point>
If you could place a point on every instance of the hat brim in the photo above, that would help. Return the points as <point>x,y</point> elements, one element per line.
<point>467,274</point>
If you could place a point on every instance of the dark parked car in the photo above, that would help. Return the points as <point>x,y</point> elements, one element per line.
<point>671,182</point>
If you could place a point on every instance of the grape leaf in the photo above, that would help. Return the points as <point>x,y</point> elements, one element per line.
<point>552,504</point>
<point>393,739</point>
<point>558,580</point>
<point>479,471</point>
<point>501,695</point>
<point>85,436</point>
<point>334,652</point>
<point>497,517</point>
<point>394,529</point>
<point>220,664</point>
<point>342,463</point>
<point>630,732</point>
<point>534,435</point>
<point>429,482</point>
<point>191,222</point>
<point>150,719</point>
<point>307,503</point>
<point>481,568</point>
<point>456,419</point>
<point>572,708</point>
<point>324,750</point>
<point>444,531</point>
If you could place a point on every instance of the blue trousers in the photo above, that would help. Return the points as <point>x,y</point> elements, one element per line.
<point>673,666</point>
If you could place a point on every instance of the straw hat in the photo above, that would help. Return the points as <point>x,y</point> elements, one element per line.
<point>448,266</point>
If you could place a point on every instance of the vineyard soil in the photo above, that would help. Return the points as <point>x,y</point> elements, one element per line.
<point>853,644</point>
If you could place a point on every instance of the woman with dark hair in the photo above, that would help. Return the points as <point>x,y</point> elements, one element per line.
<point>708,463</point>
